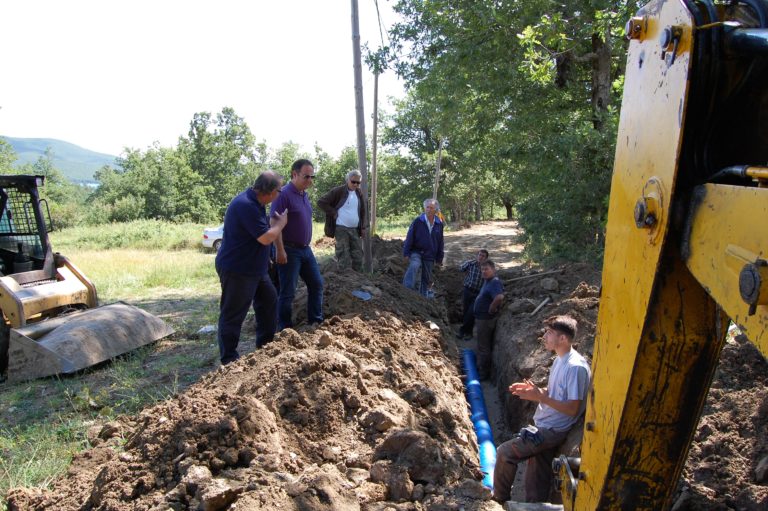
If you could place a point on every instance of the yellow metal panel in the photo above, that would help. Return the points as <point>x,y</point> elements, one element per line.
<point>729,230</point>
<point>22,304</point>
<point>676,357</point>
<point>10,304</point>
<point>647,150</point>
<point>48,296</point>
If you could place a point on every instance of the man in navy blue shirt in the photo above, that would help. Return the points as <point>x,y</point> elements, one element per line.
<point>487,305</point>
<point>294,255</point>
<point>423,247</point>
<point>243,263</point>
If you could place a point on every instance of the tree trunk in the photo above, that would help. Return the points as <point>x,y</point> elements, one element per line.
<point>601,79</point>
<point>506,199</point>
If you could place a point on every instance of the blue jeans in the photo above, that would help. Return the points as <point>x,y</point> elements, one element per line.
<point>238,293</point>
<point>416,263</point>
<point>301,263</point>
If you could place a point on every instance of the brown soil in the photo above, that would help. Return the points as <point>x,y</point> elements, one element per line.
<point>367,410</point>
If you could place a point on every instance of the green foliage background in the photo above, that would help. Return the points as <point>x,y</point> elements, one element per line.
<point>524,96</point>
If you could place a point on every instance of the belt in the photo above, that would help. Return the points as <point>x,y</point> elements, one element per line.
<point>294,245</point>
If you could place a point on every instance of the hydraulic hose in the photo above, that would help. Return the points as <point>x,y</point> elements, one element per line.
<point>479,417</point>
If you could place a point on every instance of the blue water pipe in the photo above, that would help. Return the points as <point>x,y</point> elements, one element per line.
<point>479,416</point>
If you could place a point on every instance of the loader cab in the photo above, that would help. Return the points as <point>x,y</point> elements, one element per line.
<point>50,321</point>
<point>25,251</point>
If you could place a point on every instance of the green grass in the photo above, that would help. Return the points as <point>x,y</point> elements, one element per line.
<point>33,455</point>
<point>139,234</point>
<point>131,274</point>
<point>393,227</point>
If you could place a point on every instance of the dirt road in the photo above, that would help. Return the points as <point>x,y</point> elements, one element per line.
<point>501,239</point>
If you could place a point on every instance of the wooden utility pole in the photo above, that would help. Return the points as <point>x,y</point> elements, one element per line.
<point>437,167</point>
<point>367,262</point>
<point>374,170</point>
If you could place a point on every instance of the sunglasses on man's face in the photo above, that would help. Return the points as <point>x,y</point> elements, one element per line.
<point>308,177</point>
<point>355,182</point>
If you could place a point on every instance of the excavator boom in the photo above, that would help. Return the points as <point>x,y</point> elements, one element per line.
<point>686,244</point>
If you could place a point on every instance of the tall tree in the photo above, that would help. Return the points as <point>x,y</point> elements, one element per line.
<point>7,156</point>
<point>527,96</point>
<point>156,183</point>
<point>222,150</point>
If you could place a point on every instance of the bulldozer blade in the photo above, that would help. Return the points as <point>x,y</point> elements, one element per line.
<point>73,342</point>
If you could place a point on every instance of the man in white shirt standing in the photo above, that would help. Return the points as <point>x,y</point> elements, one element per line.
<point>345,220</point>
<point>561,404</point>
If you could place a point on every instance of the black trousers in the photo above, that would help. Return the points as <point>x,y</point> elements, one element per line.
<point>468,297</point>
<point>238,293</point>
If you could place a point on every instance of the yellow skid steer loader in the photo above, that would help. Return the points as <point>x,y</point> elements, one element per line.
<point>51,323</point>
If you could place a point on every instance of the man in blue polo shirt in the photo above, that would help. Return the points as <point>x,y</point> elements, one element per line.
<point>486,308</point>
<point>243,263</point>
<point>294,256</point>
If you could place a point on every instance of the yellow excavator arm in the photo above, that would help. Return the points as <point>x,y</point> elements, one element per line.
<point>686,244</point>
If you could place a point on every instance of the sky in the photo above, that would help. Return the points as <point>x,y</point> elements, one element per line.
<point>111,74</point>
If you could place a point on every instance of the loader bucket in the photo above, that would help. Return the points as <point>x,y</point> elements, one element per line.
<point>73,342</point>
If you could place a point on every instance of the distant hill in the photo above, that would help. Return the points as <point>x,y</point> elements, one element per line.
<point>76,163</point>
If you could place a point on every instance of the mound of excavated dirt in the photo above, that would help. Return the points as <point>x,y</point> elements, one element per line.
<point>347,416</point>
<point>727,465</point>
<point>366,411</point>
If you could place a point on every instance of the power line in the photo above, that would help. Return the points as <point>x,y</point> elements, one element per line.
<point>378,15</point>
